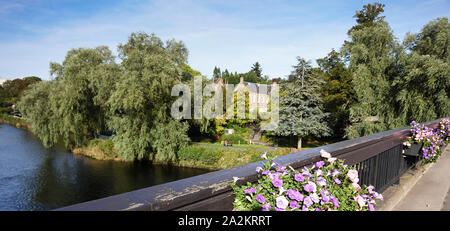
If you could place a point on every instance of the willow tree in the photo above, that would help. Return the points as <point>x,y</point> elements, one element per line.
<point>301,110</point>
<point>37,109</point>
<point>424,85</point>
<point>372,52</point>
<point>140,104</point>
<point>76,97</point>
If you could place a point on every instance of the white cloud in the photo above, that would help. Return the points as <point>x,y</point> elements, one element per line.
<point>233,37</point>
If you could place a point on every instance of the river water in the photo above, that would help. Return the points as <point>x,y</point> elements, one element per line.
<point>35,178</point>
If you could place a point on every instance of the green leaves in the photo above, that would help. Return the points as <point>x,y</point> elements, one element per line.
<point>301,110</point>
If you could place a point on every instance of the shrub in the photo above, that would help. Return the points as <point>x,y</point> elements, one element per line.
<point>105,146</point>
<point>327,185</point>
<point>235,139</point>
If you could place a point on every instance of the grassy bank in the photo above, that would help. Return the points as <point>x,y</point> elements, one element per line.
<point>14,121</point>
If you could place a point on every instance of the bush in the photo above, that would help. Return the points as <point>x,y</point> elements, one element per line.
<point>234,139</point>
<point>106,146</point>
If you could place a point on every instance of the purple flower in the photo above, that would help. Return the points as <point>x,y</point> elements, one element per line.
<point>371,208</point>
<point>320,164</point>
<point>266,207</point>
<point>250,190</point>
<point>337,181</point>
<point>299,177</point>
<point>317,209</point>
<point>294,195</point>
<point>265,172</point>
<point>315,198</point>
<point>318,172</point>
<point>321,181</point>
<point>278,209</point>
<point>260,198</point>
<point>335,202</point>
<point>310,187</point>
<point>307,201</point>
<point>325,198</point>
<point>277,182</point>
<point>294,205</point>
<point>335,172</point>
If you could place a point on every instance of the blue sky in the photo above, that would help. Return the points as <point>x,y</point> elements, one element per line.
<point>225,33</point>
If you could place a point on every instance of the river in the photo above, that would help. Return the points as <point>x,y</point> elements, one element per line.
<point>33,177</point>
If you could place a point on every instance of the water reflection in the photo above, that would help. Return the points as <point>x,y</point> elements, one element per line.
<point>35,178</point>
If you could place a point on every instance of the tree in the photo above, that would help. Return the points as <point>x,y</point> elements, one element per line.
<point>372,54</point>
<point>368,16</point>
<point>140,104</point>
<point>76,99</point>
<point>424,85</point>
<point>257,69</point>
<point>301,112</point>
<point>337,91</point>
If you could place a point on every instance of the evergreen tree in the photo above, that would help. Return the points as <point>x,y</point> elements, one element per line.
<point>257,69</point>
<point>301,112</point>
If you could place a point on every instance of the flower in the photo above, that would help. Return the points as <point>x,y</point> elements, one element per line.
<point>265,172</point>
<point>250,190</point>
<point>310,187</point>
<point>356,186</point>
<point>337,181</point>
<point>277,182</point>
<point>325,154</point>
<point>353,176</point>
<point>315,197</point>
<point>320,164</point>
<point>282,202</point>
<point>263,156</point>
<point>332,159</point>
<point>321,181</point>
<point>299,177</point>
<point>260,198</point>
<point>258,169</point>
<point>294,205</point>
<point>335,172</point>
<point>235,179</point>
<point>248,198</point>
<point>308,201</point>
<point>360,200</point>
<point>294,195</point>
<point>335,202</point>
<point>371,208</point>
<point>318,172</point>
<point>266,207</point>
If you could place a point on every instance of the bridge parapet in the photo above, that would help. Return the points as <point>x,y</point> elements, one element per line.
<point>378,159</point>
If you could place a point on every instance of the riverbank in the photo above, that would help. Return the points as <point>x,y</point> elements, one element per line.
<point>210,157</point>
<point>15,121</point>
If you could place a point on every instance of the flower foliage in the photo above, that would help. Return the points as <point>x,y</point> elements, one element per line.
<point>328,185</point>
<point>434,140</point>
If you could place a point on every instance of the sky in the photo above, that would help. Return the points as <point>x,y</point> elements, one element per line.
<point>232,34</point>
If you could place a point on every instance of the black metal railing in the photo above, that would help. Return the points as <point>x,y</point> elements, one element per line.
<point>378,159</point>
